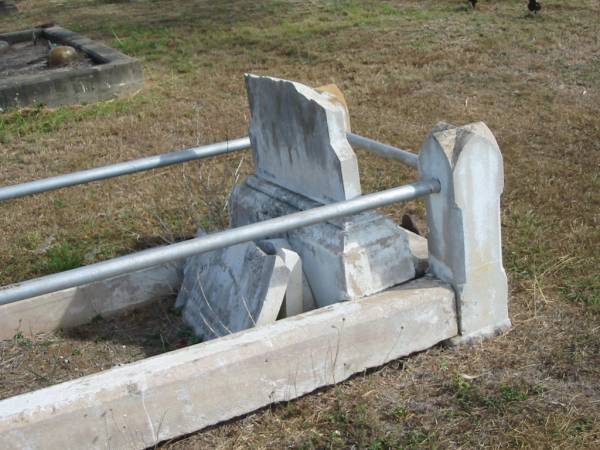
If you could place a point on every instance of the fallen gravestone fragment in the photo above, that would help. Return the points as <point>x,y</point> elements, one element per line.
<point>303,160</point>
<point>233,289</point>
<point>298,296</point>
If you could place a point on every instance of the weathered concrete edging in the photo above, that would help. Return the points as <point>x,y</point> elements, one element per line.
<point>78,306</point>
<point>142,403</point>
<point>114,74</point>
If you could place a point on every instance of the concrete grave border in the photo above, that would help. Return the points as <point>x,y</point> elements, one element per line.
<point>113,75</point>
<point>76,306</point>
<point>159,398</point>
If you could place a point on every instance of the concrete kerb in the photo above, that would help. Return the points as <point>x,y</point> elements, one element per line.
<point>159,398</point>
<point>113,75</point>
<point>78,306</point>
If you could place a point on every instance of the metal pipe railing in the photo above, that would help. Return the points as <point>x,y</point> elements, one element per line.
<point>124,168</point>
<point>260,230</point>
<point>387,151</point>
<point>167,159</point>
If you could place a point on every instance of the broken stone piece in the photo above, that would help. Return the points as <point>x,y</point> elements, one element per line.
<point>337,96</point>
<point>298,296</point>
<point>232,289</point>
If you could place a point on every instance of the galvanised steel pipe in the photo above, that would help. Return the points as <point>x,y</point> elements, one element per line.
<point>387,151</point>
<point>259,230</point>
<point>124,168</point>
<point>167,159</point>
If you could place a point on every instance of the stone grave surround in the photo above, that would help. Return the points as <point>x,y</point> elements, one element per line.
<point>179,392</point>
<point>108,75</point>
<point>303,160</point>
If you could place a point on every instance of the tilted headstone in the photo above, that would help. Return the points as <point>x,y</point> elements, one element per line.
<point>299,140</point>
<point>464,223</point>
<point>303,160</point>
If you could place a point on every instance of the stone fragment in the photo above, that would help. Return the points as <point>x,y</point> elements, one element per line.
<point>232,289</point>
<point>299,140</point>
<point>298,296</point>
<point>337,96</point>
<point>464,223</point>
<point>4,46</point>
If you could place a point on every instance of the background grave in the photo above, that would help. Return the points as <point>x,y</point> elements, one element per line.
<point>98,73</point>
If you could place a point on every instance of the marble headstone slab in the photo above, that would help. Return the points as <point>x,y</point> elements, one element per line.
<point>299,140</point>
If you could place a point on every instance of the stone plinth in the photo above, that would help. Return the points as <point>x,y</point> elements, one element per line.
<point>343,259</point>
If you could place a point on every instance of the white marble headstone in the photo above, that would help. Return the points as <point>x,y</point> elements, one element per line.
<point>299,140</point>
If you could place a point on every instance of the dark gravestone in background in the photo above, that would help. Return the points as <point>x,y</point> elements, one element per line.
<point>7,7</point>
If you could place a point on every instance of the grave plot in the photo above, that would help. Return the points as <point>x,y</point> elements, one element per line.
<point>54,66</point>
<point>351,289</point>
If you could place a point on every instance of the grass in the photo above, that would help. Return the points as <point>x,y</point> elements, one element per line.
<point>25,123</point>
<point>403,65</point>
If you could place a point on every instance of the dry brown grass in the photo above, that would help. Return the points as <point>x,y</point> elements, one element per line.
<point>45,359</point>
<point>403,65</point>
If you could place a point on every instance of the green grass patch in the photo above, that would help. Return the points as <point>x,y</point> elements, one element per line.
<point>584,289</point>
<point>22,341</point>
<point>512,394</point>
<point>61,257</point>
<point>471,395</point>
<point>180,47</point>
<point>28,122</point>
